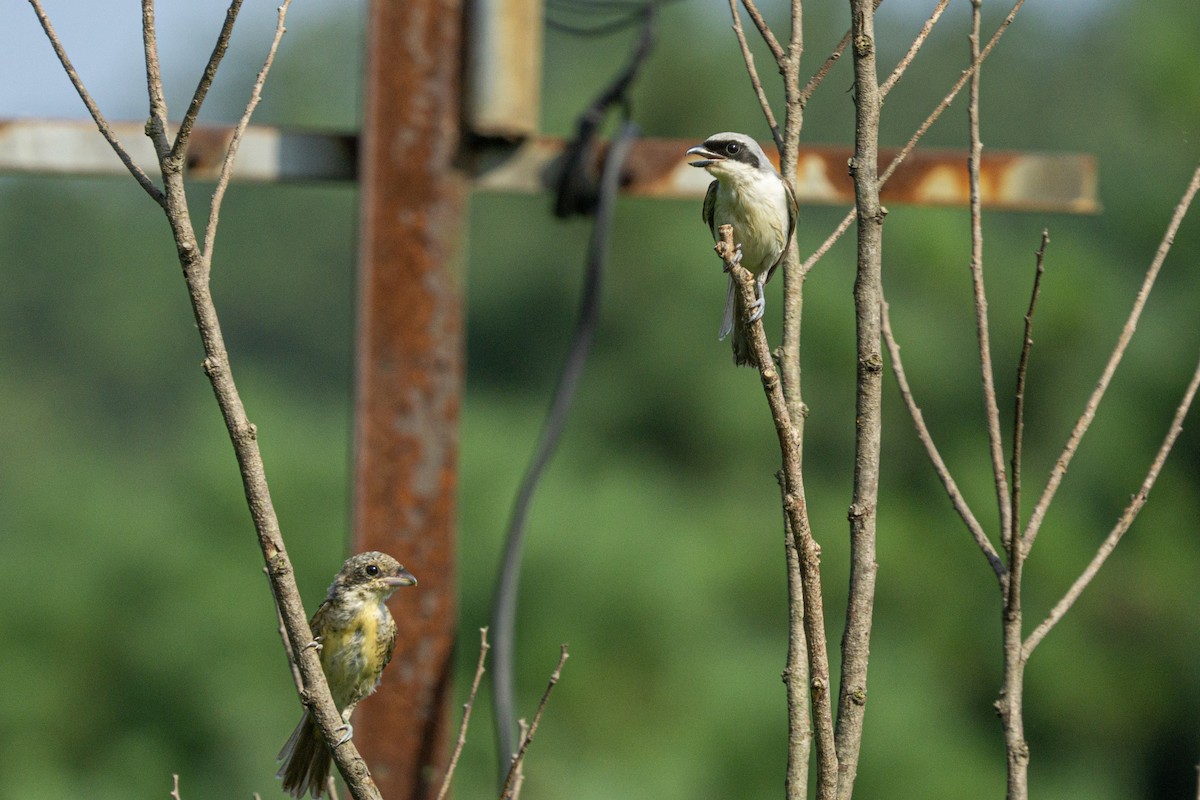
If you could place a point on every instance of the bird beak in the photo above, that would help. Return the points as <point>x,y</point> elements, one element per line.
<point>707,156</point>
<point>403,578</point>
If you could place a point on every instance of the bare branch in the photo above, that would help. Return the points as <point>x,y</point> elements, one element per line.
<point>830,241</point>
<point>868,406</point>
<point>1019,395</point>
<point>156,128</point>
<point>214,213</point>
<point>935,457</point>
<point>1089,410</point>
<point>466,718</point>
<point>937,112</point>
<point>101,123</point>
<point>175,789</point>
<point>796,42</point>
<point>987,375</point>
<point>508,791</point>
<point>949,98</point>
<point>297,678</point>
<point>179,149</point>
<point>795,673</point>
<point>898,72</point>
<point>748,57</point>
<point>794,505</point>
<point>764,29</point>
<point>1123,524</point>
<point>807,92</point>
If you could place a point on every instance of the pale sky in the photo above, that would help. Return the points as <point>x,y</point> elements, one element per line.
<point>103,39</point>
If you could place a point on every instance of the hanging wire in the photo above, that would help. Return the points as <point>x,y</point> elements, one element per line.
<point>574,197</point>
<point>587,18</point>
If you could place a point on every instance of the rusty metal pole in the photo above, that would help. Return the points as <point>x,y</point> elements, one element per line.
<point>409,373</point>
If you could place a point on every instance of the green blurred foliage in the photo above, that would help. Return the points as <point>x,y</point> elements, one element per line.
<point>140,637</point>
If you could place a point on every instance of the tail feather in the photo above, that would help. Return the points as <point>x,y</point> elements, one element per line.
<point>306,761</point>
<point>727,319</point>
<point>743,354</point>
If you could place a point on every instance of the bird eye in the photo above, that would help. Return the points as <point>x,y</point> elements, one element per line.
<point>733,148</point>
<point>372,569</point>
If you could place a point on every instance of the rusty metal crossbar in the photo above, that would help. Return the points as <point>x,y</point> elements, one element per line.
<point>1060,182</point>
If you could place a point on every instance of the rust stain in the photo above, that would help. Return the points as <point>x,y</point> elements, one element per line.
<point>409,374</point>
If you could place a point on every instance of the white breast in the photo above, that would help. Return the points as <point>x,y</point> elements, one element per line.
<point>756,206</point>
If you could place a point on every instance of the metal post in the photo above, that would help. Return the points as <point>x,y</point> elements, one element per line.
<point>409,373</point>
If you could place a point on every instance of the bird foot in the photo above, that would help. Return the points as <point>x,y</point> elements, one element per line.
<point>315,644</point>
<point>760,300</point>
<point>756,310</point>
<point>734,259</point>
<point>349,729</point>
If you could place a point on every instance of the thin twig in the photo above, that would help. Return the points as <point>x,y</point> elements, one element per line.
<point>794,505</point>
<point>898,72</point>
<point>156,127</point>
<point>101,123</point>
<point>949,98</point>
<point>179,149</point>
<point>175,791</point>
<point>987,374</point>
<point>748,57</point>
<point>466,718</point>
<point>807,92</point>
<point>297,678</point>
<point>1123,524</point>
<point>935,457</point>
<point>937,112</point>
<point>830,241</point>
<point>210,230</point>
<point>519,778</point>
<point>1089,410</point>
<point>764,29</point>
<point>1022,374</point>
<point>507,792</point>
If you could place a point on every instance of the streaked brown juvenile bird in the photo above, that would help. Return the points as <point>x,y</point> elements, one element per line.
<point>357,636</point>
<point>752,197</point>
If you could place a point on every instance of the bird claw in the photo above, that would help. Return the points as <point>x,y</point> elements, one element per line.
<point>315,644</point>
<point>736,258</point>
<point>349,729</point>
<point>760,300</point>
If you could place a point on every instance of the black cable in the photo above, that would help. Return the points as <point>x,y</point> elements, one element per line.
<point>630,13</point>
<point>504,604</point>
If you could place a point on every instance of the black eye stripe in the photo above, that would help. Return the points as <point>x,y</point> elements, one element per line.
<point>740,153</point>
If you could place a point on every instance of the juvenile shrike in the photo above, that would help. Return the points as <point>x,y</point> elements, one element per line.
<point>751,196</point>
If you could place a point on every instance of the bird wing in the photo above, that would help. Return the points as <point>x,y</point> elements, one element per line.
<point>709,208</point>
<point>390,646</point>
<point>793,212</point>
<point>317,623</point>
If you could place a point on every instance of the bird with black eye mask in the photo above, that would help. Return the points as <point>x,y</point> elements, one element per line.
<point>752,197</point>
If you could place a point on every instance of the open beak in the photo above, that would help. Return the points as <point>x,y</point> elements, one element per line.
<point>402,578</point>
<point>707,156</point>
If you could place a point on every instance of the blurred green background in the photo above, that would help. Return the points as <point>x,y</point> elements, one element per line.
<point>139,637</point>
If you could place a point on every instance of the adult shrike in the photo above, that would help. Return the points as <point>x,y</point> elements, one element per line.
<point>751,196</point>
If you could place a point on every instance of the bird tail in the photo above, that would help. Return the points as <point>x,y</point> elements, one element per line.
<point>743,355</point>
<point>306,760</point>
<point>727,320</point>
<point>734,322</point>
